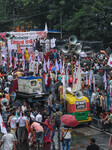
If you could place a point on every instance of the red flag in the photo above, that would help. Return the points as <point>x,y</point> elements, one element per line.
<point>2,125</point>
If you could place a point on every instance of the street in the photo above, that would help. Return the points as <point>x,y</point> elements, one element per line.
<point>82,135</point>
<point>80,140</point>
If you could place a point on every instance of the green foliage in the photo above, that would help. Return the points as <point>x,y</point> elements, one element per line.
<point>87,19</point>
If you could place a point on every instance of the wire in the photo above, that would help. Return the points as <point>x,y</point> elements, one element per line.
<point>24,17</point>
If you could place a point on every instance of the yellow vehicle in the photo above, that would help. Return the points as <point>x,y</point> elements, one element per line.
<point>79,107</point>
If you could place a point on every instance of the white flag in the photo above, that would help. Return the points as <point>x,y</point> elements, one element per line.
<point>2,125</point>
<point>110,61</point>
<point>94,83</point>
<point>46,28</point>
<point>31,68</point>
<point>46,78</point>
<point>105,80</point>
<point>77,82</point>
<point>63,81</point>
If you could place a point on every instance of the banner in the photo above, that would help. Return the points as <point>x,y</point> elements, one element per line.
<point>24,39</point>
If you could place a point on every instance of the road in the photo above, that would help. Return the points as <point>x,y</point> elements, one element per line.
<point>81,137</point>
<point>80,140</point>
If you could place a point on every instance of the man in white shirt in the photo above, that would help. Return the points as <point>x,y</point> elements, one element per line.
<point>39,118</point>
<point>10,77</point>
<point>8,141</point>
<point>24,107</point>
<point>22,135</point>
<point>12,121</point>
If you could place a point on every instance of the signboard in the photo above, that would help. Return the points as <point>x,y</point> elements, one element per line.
<point>24,39</point>
<point>80,105</point>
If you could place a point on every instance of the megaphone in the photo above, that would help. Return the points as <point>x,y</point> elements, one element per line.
<point>77,48</point>
<point>69,90</point>
<point>65,48</point>
<point>73,39</point>
<point>7,35</point>
<point>78,95</point>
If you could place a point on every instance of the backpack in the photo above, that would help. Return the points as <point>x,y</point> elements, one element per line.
<point>58,120</point>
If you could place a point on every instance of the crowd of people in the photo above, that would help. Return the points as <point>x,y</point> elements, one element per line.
<point>25,123</point>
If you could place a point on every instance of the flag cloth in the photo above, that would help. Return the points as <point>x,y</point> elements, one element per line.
<point>15,64</point>
<point>67,73</point>
<point>10,56</point>
<point>94,83</point>
<point>63,81</point>
<point>2,125</point>
<point>23,62</point>
<point>110,61</point>
<point>31,68</point>
<point>48,64</point>
<point>105,80</point>
<point>86,79</point>
<point>77,82</point>
<point>44,66</point>
<point>56,66</point>
<point>46,28</point>
<point>46,78</point>
<point>74,75</point>
<point>61,67</point>
<point>90,77</point>
<point>38,59</point>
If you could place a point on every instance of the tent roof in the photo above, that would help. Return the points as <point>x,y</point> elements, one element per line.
<point>49,31</point>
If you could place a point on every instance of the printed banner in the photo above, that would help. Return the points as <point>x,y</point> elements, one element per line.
<point>24,39</point>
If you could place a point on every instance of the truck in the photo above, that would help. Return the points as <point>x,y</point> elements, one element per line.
<point>30,89</point>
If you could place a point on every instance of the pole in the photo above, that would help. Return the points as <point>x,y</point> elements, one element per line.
<point>72,63</point>
<point>61,26</point>
<point>7,57</point>
<point>0,56</point>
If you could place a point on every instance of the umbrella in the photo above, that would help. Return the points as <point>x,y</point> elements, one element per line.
<point>69,120</point>
<point>52,50</point>
<point>86,48</point>
<point>17,104</point>
<point>105,68</point>
<point>85,61</point>
<point>83,54</point>
<point>53,68</point>
<point>102,52</point>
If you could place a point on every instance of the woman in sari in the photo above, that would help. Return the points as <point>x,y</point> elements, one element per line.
<point>48,128</point>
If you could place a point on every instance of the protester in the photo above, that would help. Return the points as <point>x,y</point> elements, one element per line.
<point>38,129</point>
<point>22,132</point>
<point>66,137</point>
<point>92,145</point>
<point>24,107</point>
<point>48,128</point>
<point>106,122</point>
<point>39,118</point>
<point>19,73</point>
<point>56,122</point>
<point>13,121</point>
<point>8,141</point>
<point>50,103</point>
<point>4,100</point>
<point>110,142</point>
